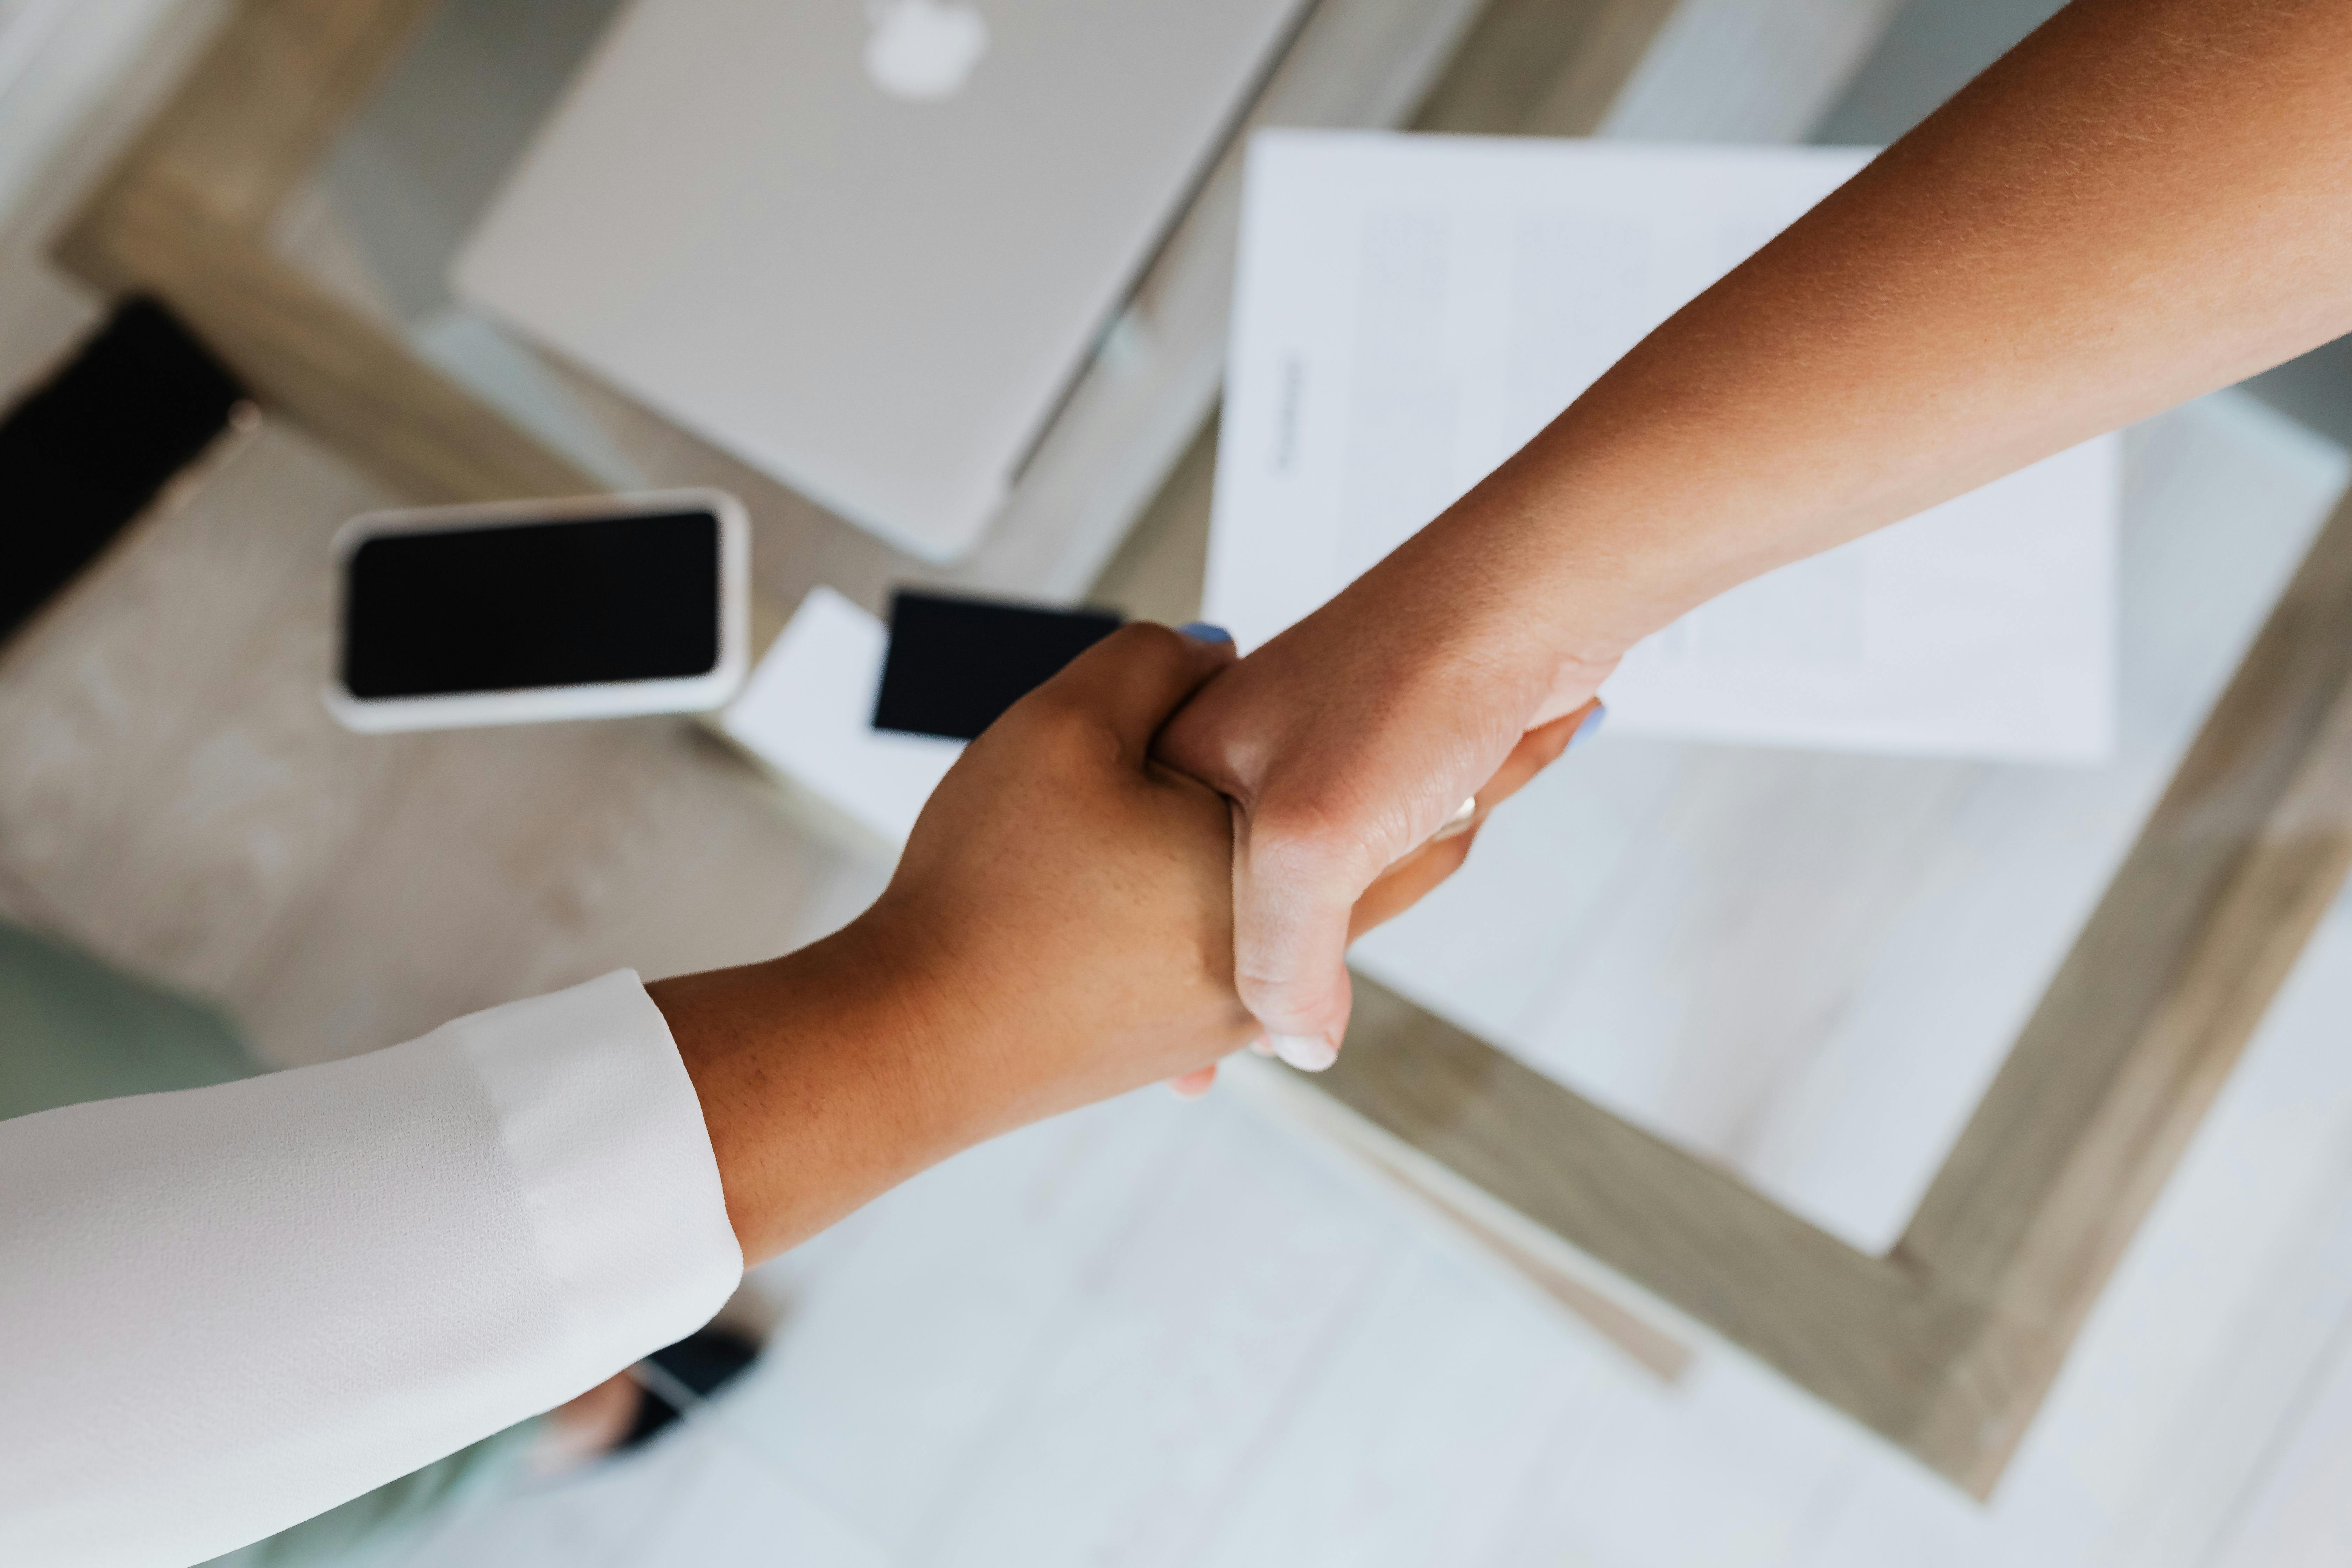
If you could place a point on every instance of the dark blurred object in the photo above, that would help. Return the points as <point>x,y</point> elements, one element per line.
<point>84,453</point>
<point>705,1362</point>
<point>956,664</point>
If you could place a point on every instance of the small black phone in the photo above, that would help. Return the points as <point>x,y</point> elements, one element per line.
<point>536,610</point>
<point>955,664</point>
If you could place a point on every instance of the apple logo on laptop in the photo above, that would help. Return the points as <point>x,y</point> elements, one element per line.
<point>923,49</point>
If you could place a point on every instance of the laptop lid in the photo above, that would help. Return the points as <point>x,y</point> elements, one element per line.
<point>864,247</point>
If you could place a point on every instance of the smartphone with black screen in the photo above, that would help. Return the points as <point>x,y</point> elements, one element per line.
<point>537,610</point>
<point>956,663</point>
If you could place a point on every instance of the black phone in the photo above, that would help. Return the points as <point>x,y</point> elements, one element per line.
<point>85,452</point>
<point>542,610</point>
<point>955,664</point>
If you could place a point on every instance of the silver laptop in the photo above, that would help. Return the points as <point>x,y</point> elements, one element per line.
<point>865,247</point>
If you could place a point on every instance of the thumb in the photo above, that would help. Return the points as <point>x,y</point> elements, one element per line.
<point>1134,679</point>
<point>1291,903</point>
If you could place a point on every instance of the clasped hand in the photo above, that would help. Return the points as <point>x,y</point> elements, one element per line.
<point>1060,930</point>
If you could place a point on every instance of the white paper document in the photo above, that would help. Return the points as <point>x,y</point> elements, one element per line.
<point>1410,309</point>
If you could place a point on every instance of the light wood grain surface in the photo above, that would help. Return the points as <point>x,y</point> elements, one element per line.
<point>255,111</point>
<point>2146,1018</point>
<point>297,347</point>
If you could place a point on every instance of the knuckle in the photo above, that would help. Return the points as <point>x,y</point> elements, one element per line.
<point>1070,734</point>
<point>1273,995</point>
<point>1053,710</point>
<point>1292,1004</point>
<point>1048,736</point>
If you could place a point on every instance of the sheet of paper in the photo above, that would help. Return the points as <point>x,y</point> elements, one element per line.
<point>1411,310</point>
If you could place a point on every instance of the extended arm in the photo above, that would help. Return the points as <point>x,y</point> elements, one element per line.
<point>2146,200</point>
<point>232,1308</point>
<point>228,1309</point>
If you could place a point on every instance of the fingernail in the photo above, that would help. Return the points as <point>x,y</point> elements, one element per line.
<point>1261,1046</point>
<point>1591,725</point>
<point>1307,1053</point>
<point>1202,631</point>
<point>1183,1090</point>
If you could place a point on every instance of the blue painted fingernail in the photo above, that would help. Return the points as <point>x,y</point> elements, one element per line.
<point>1202,631</point>
<point>1591,725</point>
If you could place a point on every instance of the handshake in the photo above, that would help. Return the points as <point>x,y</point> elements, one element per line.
<point>1060,928</point>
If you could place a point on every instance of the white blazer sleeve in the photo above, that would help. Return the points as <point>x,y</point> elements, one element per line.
<point>227,1310</point>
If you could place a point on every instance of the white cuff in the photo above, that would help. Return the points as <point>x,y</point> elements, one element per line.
<point>604,1131</point>
<point>230,1308</point>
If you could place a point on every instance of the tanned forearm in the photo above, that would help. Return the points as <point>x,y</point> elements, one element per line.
<point>2146,200</point>
<point>824,1083</point>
